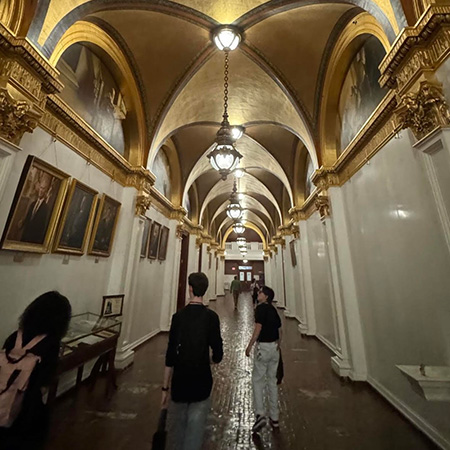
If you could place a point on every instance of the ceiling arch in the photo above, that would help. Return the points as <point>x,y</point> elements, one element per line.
<point>247,183</point>
<point>253,96</point>
<point>254,156</point>
<point>247,202</point>
<point>250,224</point>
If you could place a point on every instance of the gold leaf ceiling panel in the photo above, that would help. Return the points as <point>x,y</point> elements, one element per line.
<point>254,97</point>
<point>223,12</point>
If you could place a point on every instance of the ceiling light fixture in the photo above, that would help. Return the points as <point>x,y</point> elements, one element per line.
<point>238,227</point>
<point>234,209</point>
<point>237,132</point>
<point>226,38</point>
<point>239,173</point>
<point>224,157</point>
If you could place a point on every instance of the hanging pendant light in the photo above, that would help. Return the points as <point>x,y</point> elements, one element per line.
<point>238,228</point>
<point>234,209</point>
<point>224,157</point>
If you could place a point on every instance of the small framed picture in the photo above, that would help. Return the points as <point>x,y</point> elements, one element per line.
<point>36,207</point>
<point>293,255</point>
<point>154,240</point>
<point>104,227</point>
<point>112,305</point>
<point>76,219</point>
<point>145,237</point>
<point>163,240</point>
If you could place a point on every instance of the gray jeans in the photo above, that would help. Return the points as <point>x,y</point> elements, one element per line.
<point>186,424</point>
<point>265,364</point>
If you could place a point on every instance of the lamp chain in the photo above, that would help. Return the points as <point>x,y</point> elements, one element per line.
<point>225,88</point>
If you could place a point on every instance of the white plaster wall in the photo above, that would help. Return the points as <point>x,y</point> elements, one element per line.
<point>401,263</point>
<point>322,289</point>
<point>149,287</point>
<point>84,280</point>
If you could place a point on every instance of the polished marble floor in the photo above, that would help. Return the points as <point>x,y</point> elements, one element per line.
<point>318,410</point>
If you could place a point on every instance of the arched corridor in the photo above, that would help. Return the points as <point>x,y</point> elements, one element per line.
<point>296,145</point>
<point>318,411</point>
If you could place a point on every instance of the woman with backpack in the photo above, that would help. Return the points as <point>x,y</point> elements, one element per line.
<point>32,353</point>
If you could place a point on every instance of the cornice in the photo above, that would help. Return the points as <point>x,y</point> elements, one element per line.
<point>25,51</point>
<point>412,53</point>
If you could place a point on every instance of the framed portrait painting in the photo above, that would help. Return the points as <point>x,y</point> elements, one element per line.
<point>102,235</point>
<point>76,219</point>
<point>112,305</point>
<point>293,255</point>
<point>154,240</point>
<point>145,237</point>
<point>163,240</point>
<point>36,207</point>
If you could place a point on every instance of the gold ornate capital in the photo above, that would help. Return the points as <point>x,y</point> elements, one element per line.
<point>322,203</point>
<point>279,240</point>
<point>16,117</point>
<point>425,110</point>
<point>325,177</point>
<point>143,202</point>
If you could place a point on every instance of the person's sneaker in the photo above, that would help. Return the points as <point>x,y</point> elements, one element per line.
<point>259,424</point>
<point>274,423</point>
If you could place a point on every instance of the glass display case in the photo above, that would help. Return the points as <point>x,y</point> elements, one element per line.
<point>89,329</point>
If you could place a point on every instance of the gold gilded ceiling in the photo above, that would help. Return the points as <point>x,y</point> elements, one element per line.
<point>223,12</point>
<point>276,83</point>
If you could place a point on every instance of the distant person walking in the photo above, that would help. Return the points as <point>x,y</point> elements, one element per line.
<point>194,330</point>
<point>235,289</point>
<point>267,334</point>
<point>254,287</point>
<point>41,327</point>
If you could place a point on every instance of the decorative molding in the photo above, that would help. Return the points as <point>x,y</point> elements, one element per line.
<point>322,203</point>
<point>179,213</point>
<point>424,111</point>
<point>22,50</point>
<point>325,177</point>
<point>143,202</point>
<point>417,49</point>
<point>16,117</point>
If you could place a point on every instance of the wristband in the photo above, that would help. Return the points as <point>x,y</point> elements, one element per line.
<point>165,389</point>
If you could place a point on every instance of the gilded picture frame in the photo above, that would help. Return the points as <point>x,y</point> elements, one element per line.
<point>76,219</point>
<point>163,242</point>
<point>153,245</point>
<point>104,229</point>
<point>145,237</point>
<point>37,204</point>
<point>293,254</point>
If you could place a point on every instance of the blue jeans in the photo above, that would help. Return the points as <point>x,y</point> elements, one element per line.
<point>187,423</point>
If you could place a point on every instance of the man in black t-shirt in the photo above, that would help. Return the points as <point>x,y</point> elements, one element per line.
<point>194,330</point>
<point>267,334</point>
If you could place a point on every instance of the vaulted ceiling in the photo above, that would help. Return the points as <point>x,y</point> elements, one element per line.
<point>275,87</point>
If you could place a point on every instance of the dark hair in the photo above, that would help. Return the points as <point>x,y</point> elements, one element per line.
<point>235,277</point>
<point>49,314</point>
<point>266,290</point>
<point>199,283</point>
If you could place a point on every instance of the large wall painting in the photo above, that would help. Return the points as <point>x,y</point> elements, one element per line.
<point>361,92</point>
<point>161,169</point>
<point>91,90</point>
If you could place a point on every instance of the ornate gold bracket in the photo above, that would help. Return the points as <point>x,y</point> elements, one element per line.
<point>322,203</point>
<point>424,110</point>
<point>325,177</point>
<point>16,117</point>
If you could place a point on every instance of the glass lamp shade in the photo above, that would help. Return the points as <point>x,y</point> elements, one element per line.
<point>237,132</point>
<point>239,173</point>
<point>224,158</point>
<point>241,240</point>
<point>239,228</point>
<point>243,252</point>
<point>227,38</point>
<point>234,210</point>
